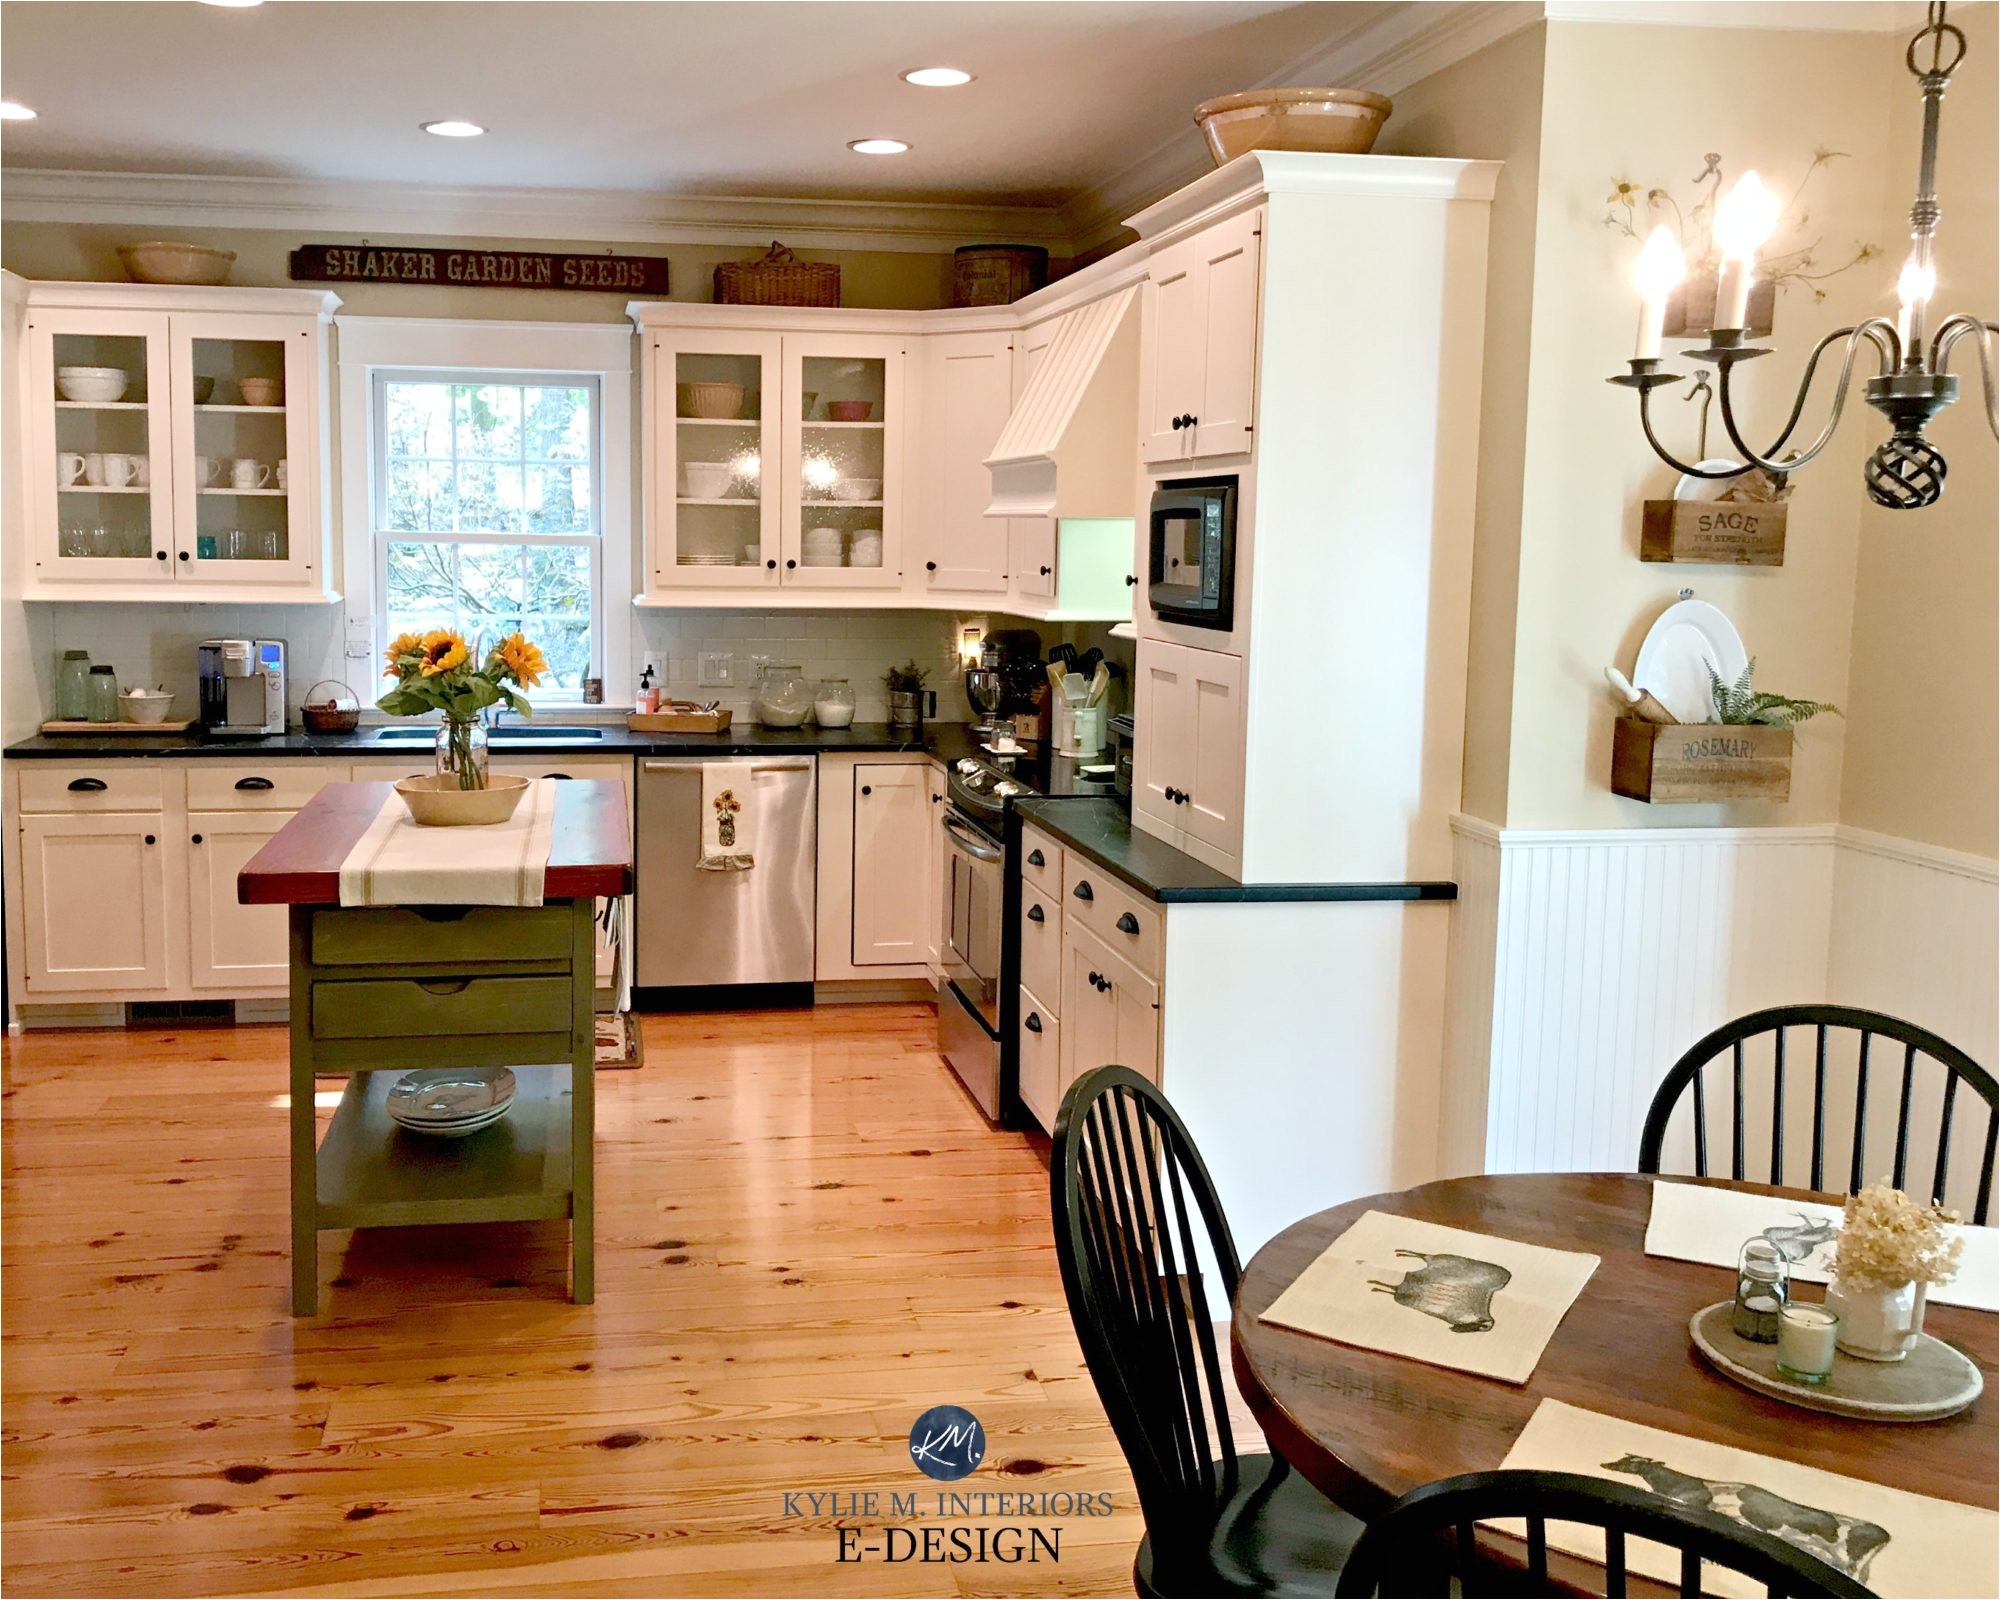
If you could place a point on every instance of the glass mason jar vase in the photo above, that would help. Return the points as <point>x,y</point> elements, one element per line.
<point>462,752</point>
<point>833,703</point>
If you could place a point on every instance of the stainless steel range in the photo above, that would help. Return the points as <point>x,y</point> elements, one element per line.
<point>969,1008</point>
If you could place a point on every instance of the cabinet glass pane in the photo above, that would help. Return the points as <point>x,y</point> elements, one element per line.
<point>841,431</point>
<point>104,467</point>
<point>719,473</point>
<point>241,475</point>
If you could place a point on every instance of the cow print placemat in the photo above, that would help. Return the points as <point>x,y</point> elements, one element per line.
<point>1441,1295</point>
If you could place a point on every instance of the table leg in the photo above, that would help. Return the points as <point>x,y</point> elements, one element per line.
<point>583,1101</point>
<point>305,1179</point>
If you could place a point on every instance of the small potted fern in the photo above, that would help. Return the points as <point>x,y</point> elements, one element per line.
<point>1743,752</point>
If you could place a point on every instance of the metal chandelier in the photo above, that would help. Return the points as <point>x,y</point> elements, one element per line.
<point>1911,384</point>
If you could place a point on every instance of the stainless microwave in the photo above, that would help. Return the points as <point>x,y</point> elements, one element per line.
<point>1191,576</point>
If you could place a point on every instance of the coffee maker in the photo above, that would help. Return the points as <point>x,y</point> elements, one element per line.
<point>242,687</point>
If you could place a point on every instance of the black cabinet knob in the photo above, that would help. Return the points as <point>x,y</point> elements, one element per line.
<point>149,838</point>
<point>930,566</point>
<point>790,565</point>
<point>184,555</point>
<point>771,565</point>
<point>255,783</point>
<point>1035,914</point>
<point>195,840</point>
<point>1034,856</point>
<point>1127,923</point>
<point>159,555</point>
<point>1178,424</point>
<point>1047,571</point>
<point>87,786</point>
<point>1130,581</point>
<point>867,788</point>
<point>1033,1024</point>
<point>1083,891</point>
<point>1193,421</point>
<point>936,798</point>
<point>1095,980</point>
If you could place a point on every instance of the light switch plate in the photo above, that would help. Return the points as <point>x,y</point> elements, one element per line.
<point>718,669</point>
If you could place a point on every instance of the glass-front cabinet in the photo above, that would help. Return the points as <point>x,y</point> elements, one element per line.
<point>175,443</point>
<point>776,460</point>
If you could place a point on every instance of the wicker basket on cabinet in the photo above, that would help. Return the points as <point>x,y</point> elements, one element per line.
<point>779,278</point>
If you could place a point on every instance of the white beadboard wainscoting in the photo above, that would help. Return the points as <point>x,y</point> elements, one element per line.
<point>1584,963</point>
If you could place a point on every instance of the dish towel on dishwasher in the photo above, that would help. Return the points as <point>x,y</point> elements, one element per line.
<point>398,863</point>
<point>728,817</point>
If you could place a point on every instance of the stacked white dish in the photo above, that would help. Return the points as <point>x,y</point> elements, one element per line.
<point>822,547</point>
<point>866,549</point>
<point>451,1102</point>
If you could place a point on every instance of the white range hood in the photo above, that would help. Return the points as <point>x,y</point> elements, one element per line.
<point>1069,448</point>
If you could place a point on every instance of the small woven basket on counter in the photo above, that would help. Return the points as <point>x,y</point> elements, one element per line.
<point>330,707</point>
<point>778,279</point>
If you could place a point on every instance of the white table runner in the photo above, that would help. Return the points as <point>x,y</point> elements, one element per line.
<point>1693,1222</point>
<point>1441,1295</point>
<point>398,863</point>
<point>1895,1542</point>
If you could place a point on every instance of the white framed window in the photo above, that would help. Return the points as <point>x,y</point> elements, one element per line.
<point>486,475</point>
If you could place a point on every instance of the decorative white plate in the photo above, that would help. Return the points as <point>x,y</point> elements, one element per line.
<point>1689,487</point>
<point>443,1096</point>
<point>1689,638</point>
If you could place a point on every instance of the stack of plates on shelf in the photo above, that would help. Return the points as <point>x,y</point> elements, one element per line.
<point>702,558</point>
<point>450,1102</point>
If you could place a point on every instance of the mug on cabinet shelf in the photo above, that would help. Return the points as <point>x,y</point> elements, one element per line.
<point>69,468</point>
<point>246,473</point>
<point>284,475</point>
<point>206,470</point>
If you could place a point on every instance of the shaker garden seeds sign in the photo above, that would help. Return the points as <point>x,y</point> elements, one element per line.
<point>492,269</point>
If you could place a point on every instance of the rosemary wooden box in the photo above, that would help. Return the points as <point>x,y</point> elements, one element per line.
<point>1684,763</point>
<point>1741,533</point>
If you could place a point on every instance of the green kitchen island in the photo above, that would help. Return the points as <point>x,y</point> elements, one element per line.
<point>379,990</point>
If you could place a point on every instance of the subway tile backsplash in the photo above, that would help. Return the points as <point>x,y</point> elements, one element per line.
<point>155,644</point>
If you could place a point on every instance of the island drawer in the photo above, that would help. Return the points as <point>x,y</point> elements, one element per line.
<point>387,936</point>
<point>402,1008</point>
<point>1135,928</point>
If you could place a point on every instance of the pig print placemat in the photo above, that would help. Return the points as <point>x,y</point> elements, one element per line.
<point>1435,1294</point>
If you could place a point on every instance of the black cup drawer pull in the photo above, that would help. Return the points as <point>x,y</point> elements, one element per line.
<point>1035,914</point>
<point>87,786</point>
<point>1034,1023</point>
<point>1083,891</point>
<point>255,783</point>
<point>1034,856</point>
<point>1127,923</point>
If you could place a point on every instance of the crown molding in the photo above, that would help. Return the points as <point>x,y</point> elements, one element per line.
<point>1823,16</point>
<point>144,199</point>
<point>1390,55</point>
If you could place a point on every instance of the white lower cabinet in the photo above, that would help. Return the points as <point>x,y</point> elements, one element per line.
<point>1041,1060</point>
<point>94,902</point>
<point>1110,1010</point>
<point>893,910</point>
<point>232,947</point>
<point>1187,784</point>
<point>937,859</point>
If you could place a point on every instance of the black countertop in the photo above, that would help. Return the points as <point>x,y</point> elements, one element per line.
<point>945,740</point>
<point>1101,830</point>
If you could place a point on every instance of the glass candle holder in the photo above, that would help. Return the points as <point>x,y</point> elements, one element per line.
<point>1806,1337</point>
<point>1763,1279</point>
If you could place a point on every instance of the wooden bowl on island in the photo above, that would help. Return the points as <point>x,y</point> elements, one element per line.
<point>436,801</point>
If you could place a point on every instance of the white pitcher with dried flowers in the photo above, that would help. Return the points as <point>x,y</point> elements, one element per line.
<point>1890,1250</point>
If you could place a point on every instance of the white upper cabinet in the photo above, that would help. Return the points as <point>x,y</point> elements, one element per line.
<point>841,460</point>
<point>177,443</point>
<point>1198,358</point>
<point>1187,783</point>
<point>713,400</point>
<point>968,391</point>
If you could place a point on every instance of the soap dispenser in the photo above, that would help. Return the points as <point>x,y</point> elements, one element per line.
<point>648,698</point>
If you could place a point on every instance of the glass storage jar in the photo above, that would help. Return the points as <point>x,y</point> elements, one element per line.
<point>103,693</point>
<point>73,686</point>
<point>783,696</point>
<point>833,703</point>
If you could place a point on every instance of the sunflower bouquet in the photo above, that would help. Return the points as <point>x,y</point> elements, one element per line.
<point>435,671</point>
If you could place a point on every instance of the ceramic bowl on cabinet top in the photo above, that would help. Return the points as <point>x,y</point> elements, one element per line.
<point>1342,121</point>
<point>168,261</point>
<point>91,385</point>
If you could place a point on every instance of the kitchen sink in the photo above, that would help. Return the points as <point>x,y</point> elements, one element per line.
<point>427,734</point>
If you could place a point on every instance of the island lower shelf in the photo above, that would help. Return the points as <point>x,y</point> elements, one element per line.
<point>373,1174</point>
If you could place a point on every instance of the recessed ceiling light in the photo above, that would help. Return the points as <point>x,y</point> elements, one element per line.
<point>452,128</point>
<point>877,147</point>
<point>937,77</point>
<point>233,5</point>
<point>14,111</point>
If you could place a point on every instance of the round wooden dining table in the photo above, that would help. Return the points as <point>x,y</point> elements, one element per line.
<point>1365,1427</point>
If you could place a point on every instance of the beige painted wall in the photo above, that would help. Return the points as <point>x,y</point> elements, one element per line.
<point>1490,106</point>
<point>868,278</point>
<point>1764,99</point>
<point>1922,761</point>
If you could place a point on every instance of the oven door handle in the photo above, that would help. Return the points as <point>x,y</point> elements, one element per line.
<point>964,838</point>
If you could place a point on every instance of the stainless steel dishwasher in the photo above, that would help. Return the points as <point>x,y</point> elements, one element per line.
<point>704,930</point>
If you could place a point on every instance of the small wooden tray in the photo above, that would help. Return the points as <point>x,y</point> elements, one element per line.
<point>1931,1382</point>
<point>679,721</point>
<point>61,727</point>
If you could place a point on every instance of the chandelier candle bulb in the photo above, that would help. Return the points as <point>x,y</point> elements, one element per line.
<point>1744,220</point>
<point>1914,288</point>
<point>1660,268</point>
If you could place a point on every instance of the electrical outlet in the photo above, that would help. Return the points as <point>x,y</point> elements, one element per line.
<point>718,669</point>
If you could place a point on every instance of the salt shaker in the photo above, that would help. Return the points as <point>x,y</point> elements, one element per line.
<point>1763,1285</point>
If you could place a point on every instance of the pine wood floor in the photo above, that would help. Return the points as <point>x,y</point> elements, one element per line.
<point>806,1236</point>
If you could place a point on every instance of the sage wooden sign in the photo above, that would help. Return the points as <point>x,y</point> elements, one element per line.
<point>1742,533</point>
<point>479,269</point>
